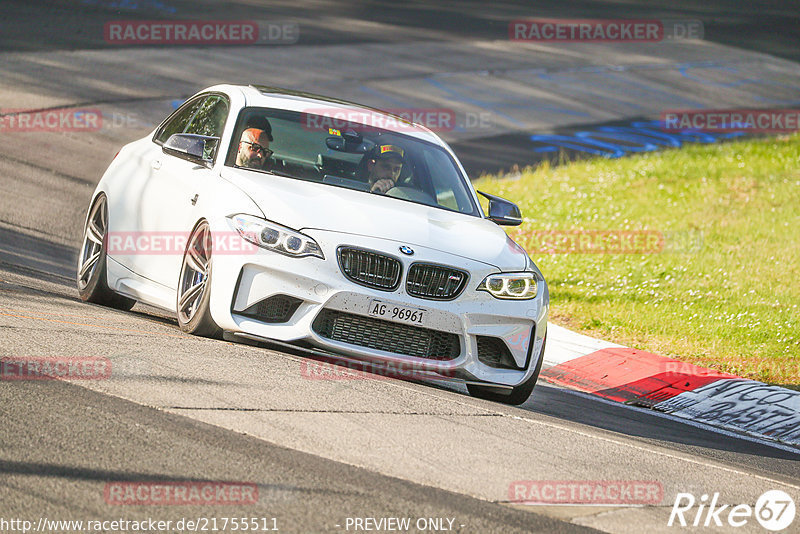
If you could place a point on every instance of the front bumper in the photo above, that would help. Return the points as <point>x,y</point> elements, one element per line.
<point>241,281</point>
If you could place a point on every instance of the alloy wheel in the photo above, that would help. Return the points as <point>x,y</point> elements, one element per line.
<point>93,242</point>
<point>194,273</point>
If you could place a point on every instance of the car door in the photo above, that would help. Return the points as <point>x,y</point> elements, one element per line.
<point>133,173</point>
<point>168,209</point>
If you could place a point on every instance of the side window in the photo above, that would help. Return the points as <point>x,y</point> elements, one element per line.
<point>203,116</point>
<point>210,117</point>
<point>209,120</point>
<point>178,122</point>
<point>443,177</point>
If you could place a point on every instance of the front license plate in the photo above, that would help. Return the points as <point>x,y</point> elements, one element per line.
<point>393,312</point>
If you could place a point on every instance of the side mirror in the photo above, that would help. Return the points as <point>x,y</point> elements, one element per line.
<point>193,147</point>
<point>502,211</point>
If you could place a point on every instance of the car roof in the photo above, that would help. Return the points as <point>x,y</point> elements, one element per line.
<point>281,98</point>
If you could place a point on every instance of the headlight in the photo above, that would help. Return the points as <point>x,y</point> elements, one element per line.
<point>516,286</point>
<point>274,237</point>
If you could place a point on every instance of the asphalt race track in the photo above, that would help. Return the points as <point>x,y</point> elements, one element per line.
<point>320,451</point>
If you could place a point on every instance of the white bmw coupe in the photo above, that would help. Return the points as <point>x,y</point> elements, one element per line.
<point>262,214</point>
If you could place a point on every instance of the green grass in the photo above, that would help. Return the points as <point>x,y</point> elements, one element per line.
<point>724,290</point>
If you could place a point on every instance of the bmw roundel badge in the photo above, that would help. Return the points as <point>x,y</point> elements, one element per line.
<point>408,251</point>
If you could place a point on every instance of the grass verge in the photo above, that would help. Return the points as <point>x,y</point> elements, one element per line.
<point>691,253</point>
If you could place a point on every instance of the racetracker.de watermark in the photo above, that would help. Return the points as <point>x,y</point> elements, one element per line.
<point>55,368</point>
<point>337,120</point>
<point>350,370</point>
<point>200,32</point>
<point>51,120</point>
<point>732,120</point>
<point>608,241</point>
<point>604,30</point>
<point>180,493</point>
<point>586,492</point>
<point>173,243</point>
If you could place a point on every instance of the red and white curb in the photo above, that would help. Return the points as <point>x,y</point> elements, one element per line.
<point>684,390</point>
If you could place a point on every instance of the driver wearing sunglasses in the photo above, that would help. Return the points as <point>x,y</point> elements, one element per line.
<point>253,149</point>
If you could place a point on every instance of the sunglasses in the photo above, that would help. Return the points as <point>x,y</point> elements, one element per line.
<point>255,147</point>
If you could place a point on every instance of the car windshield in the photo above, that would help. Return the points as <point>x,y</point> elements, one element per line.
<point>356,156</point>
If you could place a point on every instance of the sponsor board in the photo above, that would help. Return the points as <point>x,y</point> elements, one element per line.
<point>754,407</point>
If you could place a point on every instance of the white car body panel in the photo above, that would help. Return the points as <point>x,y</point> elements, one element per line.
<point>303,205</point>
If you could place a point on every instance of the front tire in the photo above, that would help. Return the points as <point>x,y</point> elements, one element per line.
<point>194,285</point>
<point>92,278</point>
<point>518,395</point>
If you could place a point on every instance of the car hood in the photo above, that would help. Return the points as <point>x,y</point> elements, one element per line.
<point>309,205</point>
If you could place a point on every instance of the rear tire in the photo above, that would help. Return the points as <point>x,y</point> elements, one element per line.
<point>92,278</point>
<point>194,286</point>
<point>518,395</point>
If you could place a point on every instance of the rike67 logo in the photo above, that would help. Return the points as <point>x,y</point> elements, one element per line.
<point>774,510</point>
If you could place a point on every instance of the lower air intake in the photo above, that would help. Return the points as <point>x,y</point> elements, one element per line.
<point>493,352</point>
<point>275,309</point>
<point>387,336</point>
